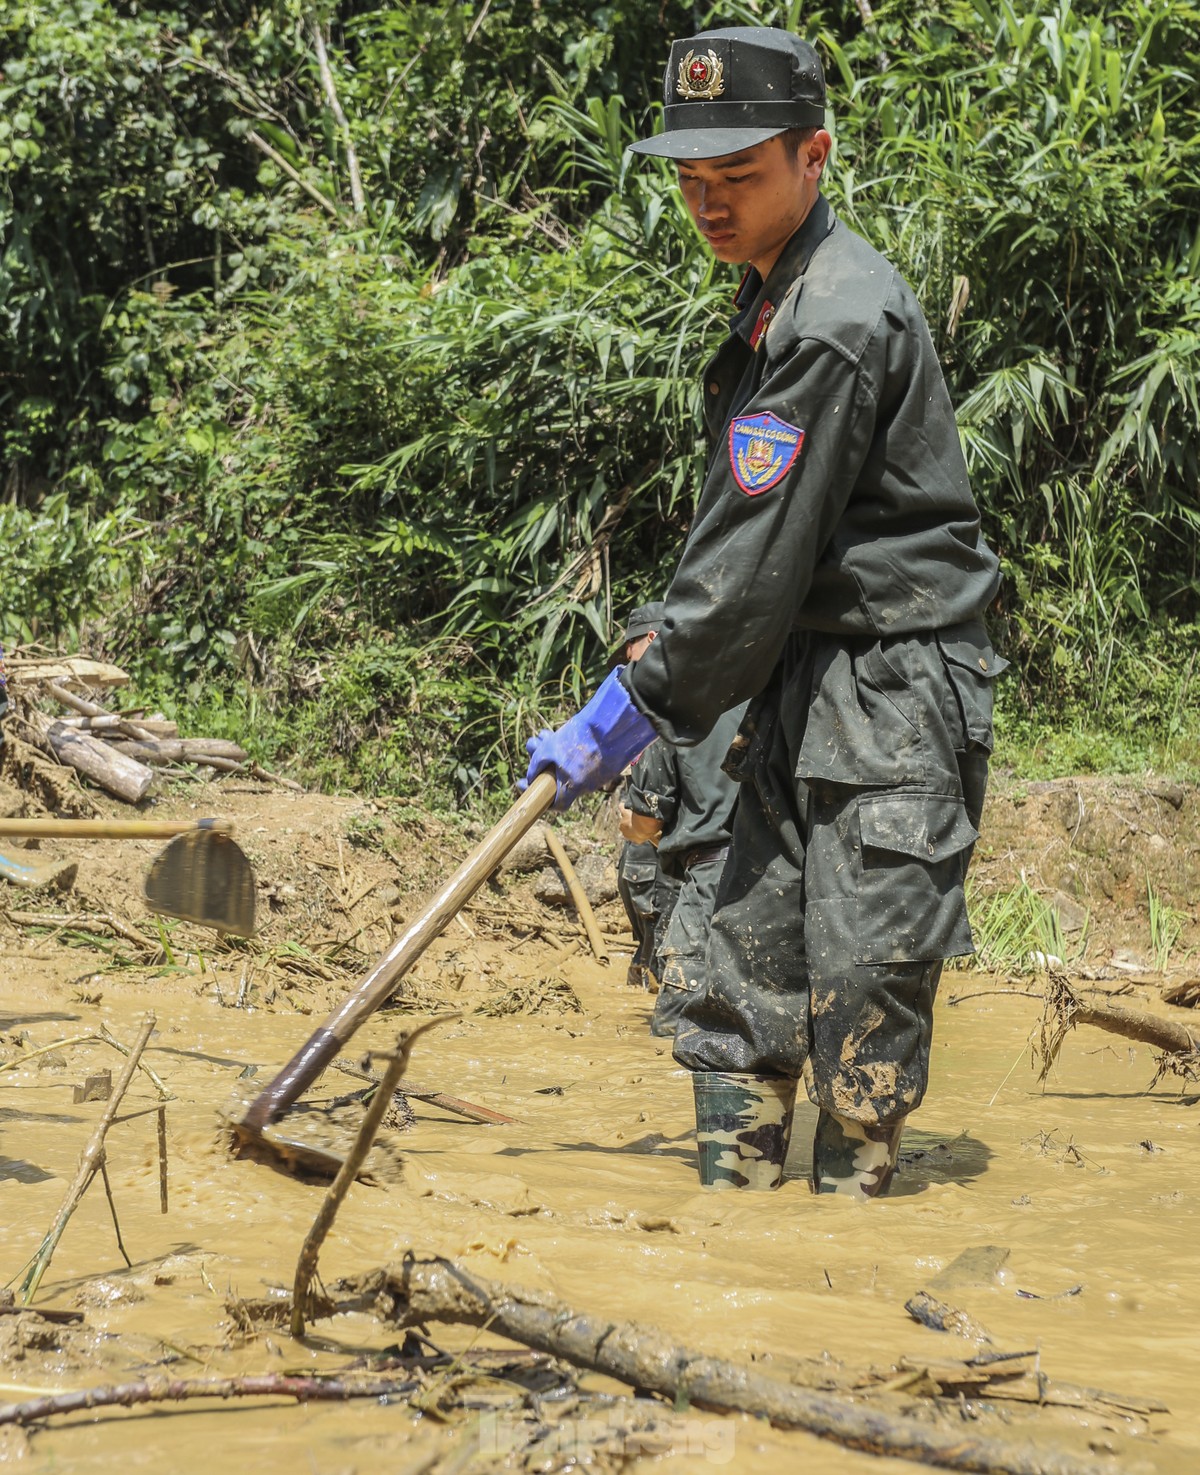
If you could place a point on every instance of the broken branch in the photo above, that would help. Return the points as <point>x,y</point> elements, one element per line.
<point>306,1265</point>
<point>582,905</point>
<point>175,1390</point>
<point>645,1357</point>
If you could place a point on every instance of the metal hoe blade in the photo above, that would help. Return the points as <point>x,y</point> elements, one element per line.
<point>204,877</point>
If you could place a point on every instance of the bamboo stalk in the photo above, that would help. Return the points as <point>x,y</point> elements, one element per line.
<point>89,1165</point>
<point>335,107</point>
<point>582,905</point>
<point>49,827</point>
<point>280,162</point>
<point>94,712</point>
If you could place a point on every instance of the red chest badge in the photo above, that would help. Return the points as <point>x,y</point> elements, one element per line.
<point>762,450</point>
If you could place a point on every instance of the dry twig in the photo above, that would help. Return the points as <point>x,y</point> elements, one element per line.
<point>89,1165</point>
<point>306,1265</point>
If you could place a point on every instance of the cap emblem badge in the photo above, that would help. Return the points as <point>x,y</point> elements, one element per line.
<point>701,78</point>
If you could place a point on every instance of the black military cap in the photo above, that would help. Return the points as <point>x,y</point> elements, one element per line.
<point>644,620</point>
<point>728,90</point>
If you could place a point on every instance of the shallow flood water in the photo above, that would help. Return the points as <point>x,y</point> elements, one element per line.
<point>593,1196</point>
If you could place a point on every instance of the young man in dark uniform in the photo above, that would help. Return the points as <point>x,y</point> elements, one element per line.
<point>835,575</point>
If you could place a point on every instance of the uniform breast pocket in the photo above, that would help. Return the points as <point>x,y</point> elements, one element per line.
<point>914,853</point>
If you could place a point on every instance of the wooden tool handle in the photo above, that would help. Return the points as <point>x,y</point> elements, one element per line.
<point>107,829</point>
<point>308,1063</point>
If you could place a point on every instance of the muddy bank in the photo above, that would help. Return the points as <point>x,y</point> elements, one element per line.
<point>1089,1185</point>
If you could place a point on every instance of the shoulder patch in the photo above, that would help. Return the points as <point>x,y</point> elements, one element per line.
<point>762,450</point>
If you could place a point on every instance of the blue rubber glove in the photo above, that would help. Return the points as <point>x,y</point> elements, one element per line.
<point>592,748</point>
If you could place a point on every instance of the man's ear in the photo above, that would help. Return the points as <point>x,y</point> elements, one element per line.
<point>814,154</point>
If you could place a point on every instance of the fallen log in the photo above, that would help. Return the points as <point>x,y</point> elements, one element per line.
<point>111,721</point>
<point>415,1291</point>
<point>178,750</point>
<point>1134,1024</point>
<point>124,777</point>
<point>81,705</point>
<point>25,670</point>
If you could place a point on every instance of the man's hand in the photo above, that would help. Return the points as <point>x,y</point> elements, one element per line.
<point>639,829</point>
<point>593,747</point>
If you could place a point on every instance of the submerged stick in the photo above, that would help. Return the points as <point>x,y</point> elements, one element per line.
<point>582,905</point>
<point>112,1208</point>
<point>645,1357</point>
<point>455,1104</point>
<point>177,1390</point>
<point>89,1164</point>
<point>162,1159</point>
<point>306,1265</point>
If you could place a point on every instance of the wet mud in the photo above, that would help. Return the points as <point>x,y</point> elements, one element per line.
<point>1090,1185</point>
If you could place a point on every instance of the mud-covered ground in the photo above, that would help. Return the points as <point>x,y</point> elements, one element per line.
<point>1090,1184</point>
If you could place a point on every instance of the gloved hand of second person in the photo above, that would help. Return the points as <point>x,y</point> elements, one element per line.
<point>592,748</point>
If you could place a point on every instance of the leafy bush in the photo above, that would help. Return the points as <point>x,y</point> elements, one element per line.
<point>380,483</point>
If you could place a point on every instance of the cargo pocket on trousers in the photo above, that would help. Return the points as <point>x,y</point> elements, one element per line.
<point>911,907</point>
<point>640,879</point>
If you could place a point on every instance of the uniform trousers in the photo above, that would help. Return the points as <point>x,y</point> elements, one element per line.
<point>863,769</point>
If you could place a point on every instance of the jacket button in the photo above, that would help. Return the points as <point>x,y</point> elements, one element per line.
<point>982,664</point>
<point>714,388</point>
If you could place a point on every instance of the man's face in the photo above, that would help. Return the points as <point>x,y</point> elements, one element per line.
<point>747,205</point>
<point>635,649</point>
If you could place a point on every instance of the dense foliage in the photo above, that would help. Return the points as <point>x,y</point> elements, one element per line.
<point>349,383</point>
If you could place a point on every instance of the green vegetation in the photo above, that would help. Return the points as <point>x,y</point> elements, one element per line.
<point>1166,923</point>
<point>1017,931</point>
<point>350,405</point>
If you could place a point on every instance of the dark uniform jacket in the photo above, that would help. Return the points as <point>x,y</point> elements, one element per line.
<point>870,532</point>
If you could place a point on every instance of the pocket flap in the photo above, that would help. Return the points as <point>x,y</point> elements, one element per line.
<point>928,826</point>
<point>972,650</point>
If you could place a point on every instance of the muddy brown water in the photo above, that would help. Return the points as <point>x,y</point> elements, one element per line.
<point>1090,1184</point>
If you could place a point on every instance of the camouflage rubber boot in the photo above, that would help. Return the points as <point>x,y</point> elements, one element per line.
<point>852,1157</point>
<point>743,1126</point>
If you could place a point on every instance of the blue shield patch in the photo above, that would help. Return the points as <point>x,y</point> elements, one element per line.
<point>762,450</point>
